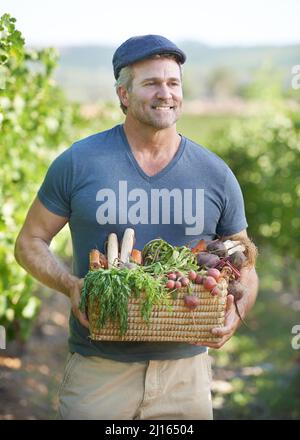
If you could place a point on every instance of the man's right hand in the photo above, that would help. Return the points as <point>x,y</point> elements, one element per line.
<point>75,294</point>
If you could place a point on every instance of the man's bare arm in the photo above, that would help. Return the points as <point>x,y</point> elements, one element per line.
<point>33,254</point>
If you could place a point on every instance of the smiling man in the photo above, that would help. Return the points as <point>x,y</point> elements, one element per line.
<point>140,174</point>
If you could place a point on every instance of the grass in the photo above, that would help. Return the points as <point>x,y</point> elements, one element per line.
<point>204,129</point>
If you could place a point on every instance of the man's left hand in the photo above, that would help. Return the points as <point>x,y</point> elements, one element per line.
<point>232,322</point>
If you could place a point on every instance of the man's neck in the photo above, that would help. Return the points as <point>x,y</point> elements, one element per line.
<point>150,141</point>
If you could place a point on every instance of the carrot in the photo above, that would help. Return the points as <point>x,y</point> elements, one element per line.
<point>97,260</point>
<point>94,258</point>
<point>103,260</point>
<point>136,256</point>
<point>199,247</point>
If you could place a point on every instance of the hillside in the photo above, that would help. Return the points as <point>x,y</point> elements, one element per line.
<point>86,72</point>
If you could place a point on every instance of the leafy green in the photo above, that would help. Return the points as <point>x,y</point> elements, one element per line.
<point>161,257</point>
<point>108,290</point>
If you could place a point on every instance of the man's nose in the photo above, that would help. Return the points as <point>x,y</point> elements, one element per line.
<point>164,92</point>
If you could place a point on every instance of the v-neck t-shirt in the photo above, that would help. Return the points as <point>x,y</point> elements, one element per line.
<point>98,184</point>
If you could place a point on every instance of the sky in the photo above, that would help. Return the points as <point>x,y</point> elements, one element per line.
<point>212,22</point>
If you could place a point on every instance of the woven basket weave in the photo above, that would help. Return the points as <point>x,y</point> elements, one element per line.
<point>180,324</point>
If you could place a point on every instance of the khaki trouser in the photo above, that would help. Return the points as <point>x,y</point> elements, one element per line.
<point>95,388</point>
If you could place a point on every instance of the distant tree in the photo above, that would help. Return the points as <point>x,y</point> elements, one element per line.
<point>221,82</point>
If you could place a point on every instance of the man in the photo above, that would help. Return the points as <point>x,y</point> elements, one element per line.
<point>113,180</point>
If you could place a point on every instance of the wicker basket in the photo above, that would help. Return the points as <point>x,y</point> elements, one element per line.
<point>180,324</point>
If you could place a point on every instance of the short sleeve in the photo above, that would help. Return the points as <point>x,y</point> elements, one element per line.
<point>233,218</point>
<point>55,191</point>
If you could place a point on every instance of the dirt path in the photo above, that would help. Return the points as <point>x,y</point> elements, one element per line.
<point>30,375</point>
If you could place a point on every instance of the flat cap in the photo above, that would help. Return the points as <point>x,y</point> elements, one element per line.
<point>141,47</point>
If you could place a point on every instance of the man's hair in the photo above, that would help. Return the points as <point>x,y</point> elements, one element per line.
<point>126,76</point>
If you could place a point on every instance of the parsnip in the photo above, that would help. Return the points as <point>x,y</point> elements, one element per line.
<point>112,250</point>
<point>240,248</point>
<point>230,244</point>
<point>127,245</point>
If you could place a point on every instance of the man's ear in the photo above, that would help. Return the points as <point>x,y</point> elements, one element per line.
<point>123,96</point>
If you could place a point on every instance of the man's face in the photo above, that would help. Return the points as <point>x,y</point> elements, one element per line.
<point>155,98</point>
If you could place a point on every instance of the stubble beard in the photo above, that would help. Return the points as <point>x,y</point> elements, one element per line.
<point>158,122</point>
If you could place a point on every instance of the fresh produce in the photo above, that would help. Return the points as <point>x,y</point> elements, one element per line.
<point>199,247</point>
<point>109,290</point>
<point>127,245</point>
<point>236,289</point>
<point>217,247</point>
<point>209,283</point>
<point>206,260</point>
<point>192,275</point>
<point>156,273</point>
<point>128,265</point>
<point>238,259</point>
<point>245,245</point>
<point>136,256</point>
<point>170,284</point>
<point>97,260</point>
<point>191,301</point>
<point>161,257</point>
<point>215,291</point>
<point>184,281</point>
<point>112,250</point>
<point>199,279</point>
<point>215,273</point>
<point>94,259</point>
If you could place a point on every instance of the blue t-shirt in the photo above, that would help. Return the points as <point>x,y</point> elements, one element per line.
<point>98,184</point>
